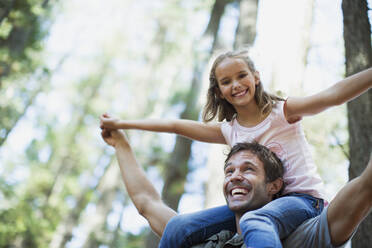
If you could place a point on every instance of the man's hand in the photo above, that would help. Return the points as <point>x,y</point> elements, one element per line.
<point>108,122</point>
<point>114,137</point>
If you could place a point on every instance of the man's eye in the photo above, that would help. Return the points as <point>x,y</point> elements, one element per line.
<point>249,169</point>
<point>242,75</point>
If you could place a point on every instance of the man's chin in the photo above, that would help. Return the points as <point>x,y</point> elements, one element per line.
<point>239,207</point>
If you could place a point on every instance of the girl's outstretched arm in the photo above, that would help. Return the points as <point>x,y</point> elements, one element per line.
<point>343,91</point>
<point>195,130</point>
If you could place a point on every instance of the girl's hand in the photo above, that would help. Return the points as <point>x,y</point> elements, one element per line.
<point>108,122</point>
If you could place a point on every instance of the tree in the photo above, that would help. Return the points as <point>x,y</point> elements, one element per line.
<point>358,55</point>
<point>177,164</point>
<point>246,29</point>
<point>23,27</point>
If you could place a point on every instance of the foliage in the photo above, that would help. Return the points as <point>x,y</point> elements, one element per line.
<point>22,31</point>
<point>23,27</point>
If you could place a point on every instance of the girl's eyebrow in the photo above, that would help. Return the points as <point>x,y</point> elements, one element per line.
<point>222,79</point>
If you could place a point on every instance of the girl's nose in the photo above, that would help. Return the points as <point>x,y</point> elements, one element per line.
<point>235,83</point>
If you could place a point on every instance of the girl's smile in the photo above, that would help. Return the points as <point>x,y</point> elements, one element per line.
<point>241,93</point>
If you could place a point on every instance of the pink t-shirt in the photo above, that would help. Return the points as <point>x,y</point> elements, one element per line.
<point>288,142</point>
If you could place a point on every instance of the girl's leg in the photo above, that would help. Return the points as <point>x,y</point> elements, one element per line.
<point>186,230</point>
<point>265,227</point>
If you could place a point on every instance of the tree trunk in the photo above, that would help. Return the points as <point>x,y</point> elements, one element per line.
<point>358,54</point>
<point>177,165</point>
<point>63,162</point>
<point>246,29</point>
<point>63,233</point>
<point>107,189</point>
<point>57,162</point>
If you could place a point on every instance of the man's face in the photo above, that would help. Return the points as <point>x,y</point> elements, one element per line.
<point>244,186</point>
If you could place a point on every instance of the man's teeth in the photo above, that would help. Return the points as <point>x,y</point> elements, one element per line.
<point>239,191</point>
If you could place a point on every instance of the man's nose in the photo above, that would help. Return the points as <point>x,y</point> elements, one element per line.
<point>237,176</point>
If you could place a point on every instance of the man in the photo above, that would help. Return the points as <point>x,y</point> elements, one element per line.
<point>246,188</point>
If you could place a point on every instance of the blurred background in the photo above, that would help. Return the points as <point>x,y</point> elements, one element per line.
<point>63,63</point>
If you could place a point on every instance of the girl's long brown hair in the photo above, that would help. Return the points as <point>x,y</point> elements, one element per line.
<point>216,106</point>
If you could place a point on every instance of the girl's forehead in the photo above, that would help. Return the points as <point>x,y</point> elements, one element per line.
<point>232,60</point>
<point>231,65</point>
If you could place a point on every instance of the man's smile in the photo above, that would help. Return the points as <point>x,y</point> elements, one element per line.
<point>240,191</point>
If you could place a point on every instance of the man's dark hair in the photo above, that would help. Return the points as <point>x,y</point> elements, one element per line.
<point>273,166</point>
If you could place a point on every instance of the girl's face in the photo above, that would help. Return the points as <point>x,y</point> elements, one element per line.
<point>237,83</point>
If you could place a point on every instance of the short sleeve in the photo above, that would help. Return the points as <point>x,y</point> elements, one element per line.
<point>226,130</point>
<point>293,119</point>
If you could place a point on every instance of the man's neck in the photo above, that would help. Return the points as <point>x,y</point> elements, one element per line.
<point>237,220</point>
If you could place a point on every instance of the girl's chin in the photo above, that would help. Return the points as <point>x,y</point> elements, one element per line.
<point>241,102</point>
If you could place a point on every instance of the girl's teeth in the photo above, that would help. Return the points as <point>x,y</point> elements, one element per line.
<point>240,94</point>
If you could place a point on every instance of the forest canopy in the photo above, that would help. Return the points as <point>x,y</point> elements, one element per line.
<point>64,63</point>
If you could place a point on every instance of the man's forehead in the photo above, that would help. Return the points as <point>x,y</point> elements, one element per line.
<point>243,156</point>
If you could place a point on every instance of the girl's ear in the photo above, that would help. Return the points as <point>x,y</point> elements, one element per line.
<point>275,186</point>
<point>257,79</point>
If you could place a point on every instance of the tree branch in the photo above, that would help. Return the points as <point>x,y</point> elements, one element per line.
<point>340,145</point>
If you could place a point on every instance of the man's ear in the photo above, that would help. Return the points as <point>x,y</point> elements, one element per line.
<point>275,186</point>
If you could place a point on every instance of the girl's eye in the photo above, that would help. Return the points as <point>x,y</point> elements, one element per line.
<point>225,82</point>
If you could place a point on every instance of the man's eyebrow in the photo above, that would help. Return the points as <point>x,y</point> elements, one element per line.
<point>227,164</point>
<point>250,163</point>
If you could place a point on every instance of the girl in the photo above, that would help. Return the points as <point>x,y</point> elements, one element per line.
<point>237,98</point>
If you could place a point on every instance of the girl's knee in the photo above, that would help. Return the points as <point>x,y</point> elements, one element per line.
<point>254,215</point>
<point>176,225</point>
<point>177,220</point>
<point>256,221</point>
<point>174,233</point>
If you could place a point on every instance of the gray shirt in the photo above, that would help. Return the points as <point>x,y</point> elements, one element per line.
<point>312,233</point>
